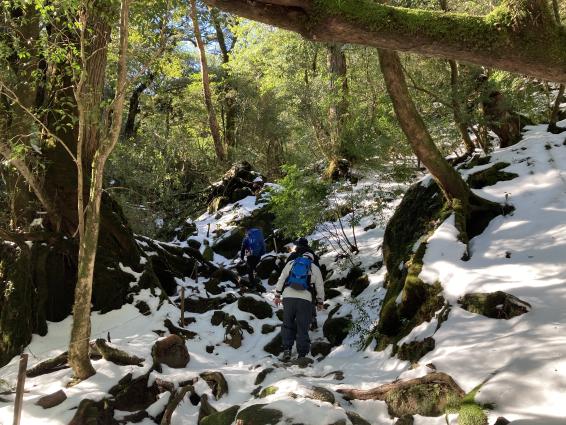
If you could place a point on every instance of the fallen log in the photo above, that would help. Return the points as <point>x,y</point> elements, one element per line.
<point>117,356</point>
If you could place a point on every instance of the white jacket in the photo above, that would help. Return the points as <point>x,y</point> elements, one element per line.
<point>288,292</point>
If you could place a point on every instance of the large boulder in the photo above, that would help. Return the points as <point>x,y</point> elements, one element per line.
<point>414,350</point>
<point>496,305</point>
<point>229,244</point>
<point>171,351</point>
<point>266,266</point>
<point>260,309</point>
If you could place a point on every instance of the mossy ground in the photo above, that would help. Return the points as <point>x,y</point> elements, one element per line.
<point>469,411</point>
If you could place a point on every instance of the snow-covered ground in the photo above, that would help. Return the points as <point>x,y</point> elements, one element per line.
<point>523,359</point>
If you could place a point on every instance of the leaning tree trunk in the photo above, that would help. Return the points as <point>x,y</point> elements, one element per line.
<point>79,359</point>
<point>212,121</point>
<point>517,36</point>
<point>415,129</point>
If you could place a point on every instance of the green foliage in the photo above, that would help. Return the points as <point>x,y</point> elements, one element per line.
<point>299,203</point>
<point>469,411</point>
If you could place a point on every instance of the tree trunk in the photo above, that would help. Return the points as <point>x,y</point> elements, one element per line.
<point>457,110</point>
<point>212,121</point>
<point>415,129</point>
<point>526,45</point>
<point>555,113</point>
<point>229,98</point>
<point>130,129</point>
<point>338,86</point>
<point>80,333</point>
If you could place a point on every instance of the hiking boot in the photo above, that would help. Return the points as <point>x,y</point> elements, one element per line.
<point>286,355</point>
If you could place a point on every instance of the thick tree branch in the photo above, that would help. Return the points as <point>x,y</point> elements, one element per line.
<point>495,40</point>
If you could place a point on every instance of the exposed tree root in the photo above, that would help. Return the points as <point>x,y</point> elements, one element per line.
<point>174,401</point>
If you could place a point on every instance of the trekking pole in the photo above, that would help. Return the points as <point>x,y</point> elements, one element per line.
<point>20,389</point>
<point>208,230</point>
<point>182,306</point>
<point>275,244</point>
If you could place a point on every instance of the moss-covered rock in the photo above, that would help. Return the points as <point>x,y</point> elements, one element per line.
<point>132,395</point>
<point>225,417</point>
<point>208,253</point>
<point>230,243</point>
<point>320,394</point>
<point>261,375</point>
<point>356,419</point>
<point>275,346</point>
<point>418,213</point>
<point>260,414</point>
<point>414,350</point>
<point>218,317</point>
<point>240,193</point>
<point>233,334</point>
<point>359,285</point>
<point>426,399</point>
<point>496,305</point>
<point>216,382</point>
<point>212,286</point>
<point>490,176</point>
<point>322,348</point>
<point>260,309</point>
<point>405,420</point>
<point>336,329</point>
<point>218,203</point>
<point>171,351</point>
<point>267,329</point>
<point>266,266</point>
<point>429,395</point>
<point>331,293</point>
<point>202,305</point>
<point>267,391</point>
<point>389,322</point>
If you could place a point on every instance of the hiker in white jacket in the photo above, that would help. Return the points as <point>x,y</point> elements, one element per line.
<point>297,304</point>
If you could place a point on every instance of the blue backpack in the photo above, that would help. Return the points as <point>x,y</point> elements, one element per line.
<point>256,244</point>
<point>299,275</point>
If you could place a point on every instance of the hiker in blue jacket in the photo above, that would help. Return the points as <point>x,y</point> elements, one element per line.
<point>253,247</point>
<point>302,247</point>
<point>294,286</point>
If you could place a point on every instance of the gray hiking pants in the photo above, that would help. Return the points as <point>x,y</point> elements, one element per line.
<point>297,316</point>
